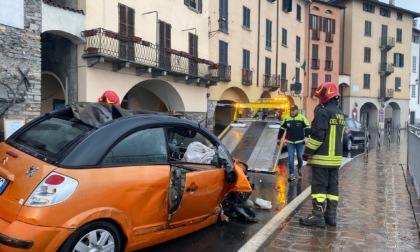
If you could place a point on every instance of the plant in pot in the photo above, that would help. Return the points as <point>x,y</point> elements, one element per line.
<point>90,33</point>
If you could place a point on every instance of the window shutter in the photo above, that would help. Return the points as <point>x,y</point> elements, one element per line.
<point>187,2</point>
<point>333,26</point>
<point>123,25</point>
<point>130,24</point>
<point>310,22</point>
<point>319,23</point>
<point>200,6</point>
<point>325,24</point>
<point>168,35</point>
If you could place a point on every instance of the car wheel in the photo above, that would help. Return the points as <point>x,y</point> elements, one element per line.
<point>95,236</point>
<point>349,144</point>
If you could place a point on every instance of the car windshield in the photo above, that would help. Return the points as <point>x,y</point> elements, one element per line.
<point>52,136</point>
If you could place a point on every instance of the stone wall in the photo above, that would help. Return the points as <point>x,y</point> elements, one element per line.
<point>20,66</point>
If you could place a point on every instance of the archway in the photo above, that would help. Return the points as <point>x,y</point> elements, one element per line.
<point>52,93</point>
<point>393,114</point>
<point>369,115</point>
<point>153,95</point>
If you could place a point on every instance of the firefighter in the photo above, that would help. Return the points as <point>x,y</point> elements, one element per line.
<point>323,152</point>
<point>109,97</point>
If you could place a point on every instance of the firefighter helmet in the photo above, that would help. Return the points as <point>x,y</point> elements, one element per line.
<point>109,97</point>
<point>327,91</point>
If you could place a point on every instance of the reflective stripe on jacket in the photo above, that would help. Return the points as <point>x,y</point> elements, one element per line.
<point>325,144</point>
<point>297,128</point>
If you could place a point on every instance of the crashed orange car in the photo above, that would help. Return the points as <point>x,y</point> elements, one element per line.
<point>95,177</point>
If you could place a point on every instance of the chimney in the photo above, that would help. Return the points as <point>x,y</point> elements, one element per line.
<point>392,2</point>
<point>414,23</point>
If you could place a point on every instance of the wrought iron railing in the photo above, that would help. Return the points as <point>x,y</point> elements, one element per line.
<point>315,63</point>
<point>316,34</point>
<point>271,81</point>
<point>283,84</point>
<point>119,48</point>
<point>329,37</point>
<point>246,77</point>
<point>328,65</point>
<point>386,68</point>
<point>224,73</point>
<point>386,42</point>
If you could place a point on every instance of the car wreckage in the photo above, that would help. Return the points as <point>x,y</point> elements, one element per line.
<point>95,176</point>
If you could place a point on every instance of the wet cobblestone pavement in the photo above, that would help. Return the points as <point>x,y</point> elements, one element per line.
<point>376,211</point>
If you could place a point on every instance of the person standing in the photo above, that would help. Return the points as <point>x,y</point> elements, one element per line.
<point>297,128</point>
<point>324,153</point>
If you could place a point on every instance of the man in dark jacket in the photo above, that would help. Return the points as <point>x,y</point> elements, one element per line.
<point>297,128</point>
<point>324,151</point>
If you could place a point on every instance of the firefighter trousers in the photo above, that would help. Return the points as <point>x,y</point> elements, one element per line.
<point>324,183</point>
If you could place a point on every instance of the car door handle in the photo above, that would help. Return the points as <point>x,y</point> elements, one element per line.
<point>192,189</point>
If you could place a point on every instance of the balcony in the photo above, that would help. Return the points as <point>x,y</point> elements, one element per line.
<point>296,87</point>
<point>283,85</point>
<point>246,77</point>
<point>329,37</point>
<point>386,43</point>
<point>271,82</point>
<point>315,63</point>
<point>386,68</point>
<point>385,94</point>
<point>130,51</point>
<point>328,65</point>
<point>316,34</point>
<point>224,73</point>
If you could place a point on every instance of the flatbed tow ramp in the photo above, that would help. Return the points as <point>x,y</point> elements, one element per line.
<point>255,144</point>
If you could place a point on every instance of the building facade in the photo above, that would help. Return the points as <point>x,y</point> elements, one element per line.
<point>322,47</point>
<point>376,62</point>
<point>20,60</point>
<point>414,116</point>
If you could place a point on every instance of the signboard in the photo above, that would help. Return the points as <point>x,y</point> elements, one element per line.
<point>381,115</point>
<point>11,125</point>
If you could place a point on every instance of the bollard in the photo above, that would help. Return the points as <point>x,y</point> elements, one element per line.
<point>399,133</point>
<point>378,141</point>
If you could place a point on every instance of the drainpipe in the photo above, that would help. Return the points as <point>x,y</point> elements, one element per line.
<point>258,43</point>
<point>309,49</point>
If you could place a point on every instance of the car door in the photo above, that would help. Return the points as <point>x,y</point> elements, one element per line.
<point>359,138</point>
<point>197,180</point>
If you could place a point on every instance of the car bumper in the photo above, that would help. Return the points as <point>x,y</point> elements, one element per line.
<point>18,236</point>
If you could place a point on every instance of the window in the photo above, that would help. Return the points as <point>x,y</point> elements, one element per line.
<point>267,66</point>
<point>245,59</point>
<point>366,81</point>
<point>315,23</point>
<point>297,75</point>
<point>126,28</point>
<point>384,12</point>
<point>283,37</point>
<point>368,28</point>
<point>268,28</point>
<point>223,15</point>
<point>397,84</point>
<point>415,39</point>
<point>223,53</point>
<point>328,58</point>
<point>413,90</point>
<point>399,16</point>
<point>315,59</point>
<point>367,55</point>
<point>193,50</point>
<point>287,5</point>
<point>414,64</point>
<point>328,78</point>
<point>398,60</point>
<point>298,12</point>
<point>329,25</point>
<point>247,18</point>
<point>143,147</point>
<point>368,7</point>
<point>297,49</point>
<point>164,42</point>
<point>399,35</point>
<point>314,81</point>
<point>196,5</point>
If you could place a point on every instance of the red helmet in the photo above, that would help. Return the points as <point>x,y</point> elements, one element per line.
<point>109,97</point>
<point>326,91</point>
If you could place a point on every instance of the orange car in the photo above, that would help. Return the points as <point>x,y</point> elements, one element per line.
<point>94,177</point>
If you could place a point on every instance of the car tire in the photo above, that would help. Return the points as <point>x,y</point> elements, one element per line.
<point>348,144</point>
<point>82,237</point>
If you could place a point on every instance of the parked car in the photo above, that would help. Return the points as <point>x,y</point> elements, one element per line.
<point>354,133</point>
<point>94,177</point>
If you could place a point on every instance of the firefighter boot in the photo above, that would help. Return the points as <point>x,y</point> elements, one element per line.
<point>317,216</point>
<point>331,212</point>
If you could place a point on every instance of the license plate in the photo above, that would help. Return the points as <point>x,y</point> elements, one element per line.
<point>3,183</point>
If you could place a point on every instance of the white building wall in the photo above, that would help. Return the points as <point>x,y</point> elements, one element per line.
<point>415,78</point>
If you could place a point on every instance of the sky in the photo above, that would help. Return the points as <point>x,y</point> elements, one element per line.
<point>413,5</point>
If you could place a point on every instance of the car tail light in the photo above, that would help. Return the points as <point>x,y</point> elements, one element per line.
<point>348,131</point>
<point>54,189</point>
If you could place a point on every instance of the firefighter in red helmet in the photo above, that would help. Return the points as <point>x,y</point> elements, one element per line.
<point>324,153</point>
<point>109,97</point>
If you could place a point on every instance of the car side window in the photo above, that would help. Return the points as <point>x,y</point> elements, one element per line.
<point>143,147</point>
<point>188,145</point>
